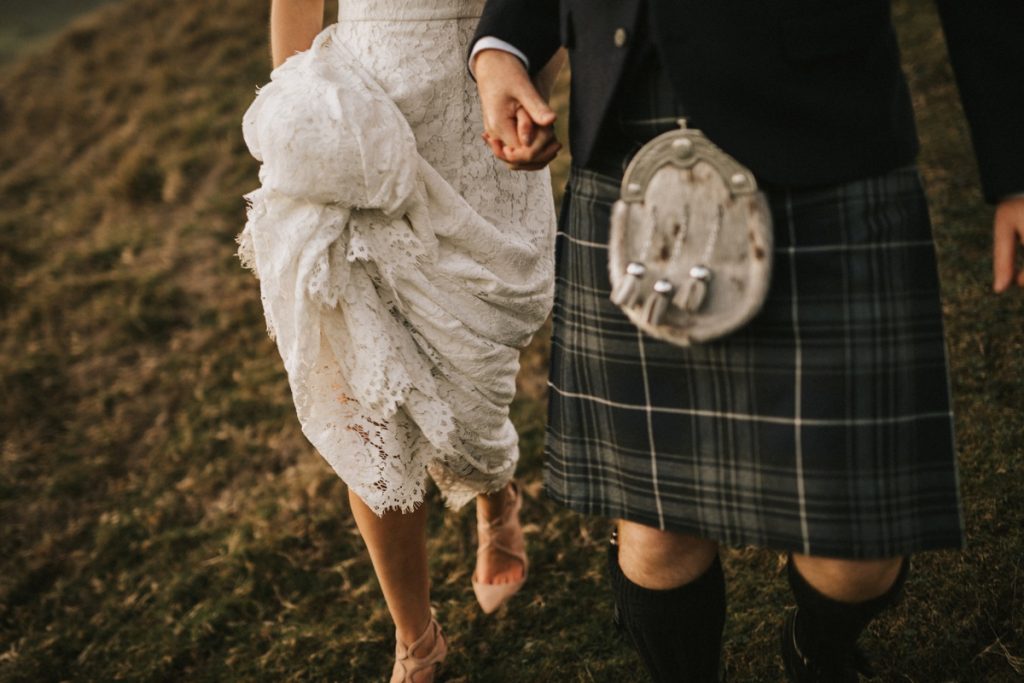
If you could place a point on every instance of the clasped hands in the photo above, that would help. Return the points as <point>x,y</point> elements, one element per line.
<point>519,126</point>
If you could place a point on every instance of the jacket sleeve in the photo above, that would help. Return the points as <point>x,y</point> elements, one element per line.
<point>530,25</point>
<point>984,39</point>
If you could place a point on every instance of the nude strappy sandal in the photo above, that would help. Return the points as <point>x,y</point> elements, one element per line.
<point>407,664</point>
<point>505,534</point>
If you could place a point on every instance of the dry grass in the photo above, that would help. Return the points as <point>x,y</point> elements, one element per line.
<point>163,519</point>
<point>26,24</point>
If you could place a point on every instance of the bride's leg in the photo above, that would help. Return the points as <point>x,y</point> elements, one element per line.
<point>398,549</point>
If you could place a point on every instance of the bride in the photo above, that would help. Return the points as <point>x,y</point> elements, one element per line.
<point>401,270</point>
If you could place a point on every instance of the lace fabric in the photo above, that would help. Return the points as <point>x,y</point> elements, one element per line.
<point>401,267</point>
<point>409,10</point>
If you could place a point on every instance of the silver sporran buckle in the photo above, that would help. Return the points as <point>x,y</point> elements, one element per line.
<point>690,249</point>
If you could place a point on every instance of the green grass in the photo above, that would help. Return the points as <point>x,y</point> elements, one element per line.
<point>164,519</point>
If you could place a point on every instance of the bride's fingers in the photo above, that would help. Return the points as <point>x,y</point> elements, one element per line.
<point>496,147</point>
<point>538,160</point>
<point>539,152</point>
<point>548,154</point>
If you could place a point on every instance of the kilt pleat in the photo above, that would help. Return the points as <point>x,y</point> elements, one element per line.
<point>823,426</point>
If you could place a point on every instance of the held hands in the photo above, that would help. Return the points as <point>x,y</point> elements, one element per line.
<point>518,123</point>
<point>519,127</point>
<point>1008,234</point>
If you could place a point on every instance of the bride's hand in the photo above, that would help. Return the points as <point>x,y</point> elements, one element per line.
<point>518,123</point>
<point>538,145</point>
<point>545,148</point>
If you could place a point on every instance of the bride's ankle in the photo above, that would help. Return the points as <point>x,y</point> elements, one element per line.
<point>490,505</point>
<point>414,632</point>
<point>417,662</point>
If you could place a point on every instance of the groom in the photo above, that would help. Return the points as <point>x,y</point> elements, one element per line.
<point>809,96</point>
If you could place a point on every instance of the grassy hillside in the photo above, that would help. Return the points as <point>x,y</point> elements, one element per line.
<point>163,518</point>
<point>26,23</point>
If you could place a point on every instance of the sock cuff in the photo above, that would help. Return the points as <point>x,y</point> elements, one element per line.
<point>809,597</point>
<point>705,588</point>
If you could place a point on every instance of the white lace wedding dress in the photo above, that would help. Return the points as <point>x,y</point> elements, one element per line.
<point>401,267</point>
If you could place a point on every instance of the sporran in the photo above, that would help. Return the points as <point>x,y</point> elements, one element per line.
<point>690,247</point>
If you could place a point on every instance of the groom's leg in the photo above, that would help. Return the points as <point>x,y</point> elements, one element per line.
<point>670,597</point>
<point>836,600</point>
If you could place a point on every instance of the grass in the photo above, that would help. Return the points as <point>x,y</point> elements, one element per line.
<point>163,518</point>
<point>25,24</point>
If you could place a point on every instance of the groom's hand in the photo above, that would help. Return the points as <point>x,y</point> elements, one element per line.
<point>1008,234</point>
<point>518,123</point>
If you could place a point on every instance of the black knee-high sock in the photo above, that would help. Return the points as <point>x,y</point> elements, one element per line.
<point>827,628</point>
<point>677,632</point>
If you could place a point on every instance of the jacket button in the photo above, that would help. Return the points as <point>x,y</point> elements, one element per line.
<point>620,37</point>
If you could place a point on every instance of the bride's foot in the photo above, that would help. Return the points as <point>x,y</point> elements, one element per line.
<point>417,662</point>
<point>501,554</point>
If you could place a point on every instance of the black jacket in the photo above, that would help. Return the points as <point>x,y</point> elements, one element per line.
<point>804,92</point>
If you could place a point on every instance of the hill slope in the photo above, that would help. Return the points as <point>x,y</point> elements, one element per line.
<point>163,517</point>
<point>24,24</point>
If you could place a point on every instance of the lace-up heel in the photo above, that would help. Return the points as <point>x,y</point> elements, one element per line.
<point>504,534</point>
<point>407,664</point>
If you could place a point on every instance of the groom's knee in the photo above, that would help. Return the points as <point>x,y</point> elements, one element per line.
<point>849,580</point>
<point>659,559</point>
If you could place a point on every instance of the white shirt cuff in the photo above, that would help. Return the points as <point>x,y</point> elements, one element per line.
<point>492,43</point>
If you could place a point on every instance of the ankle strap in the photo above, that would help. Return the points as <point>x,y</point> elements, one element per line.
<point>410,663</point>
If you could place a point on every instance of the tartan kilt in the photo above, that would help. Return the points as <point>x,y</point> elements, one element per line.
<point>822,427</point>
